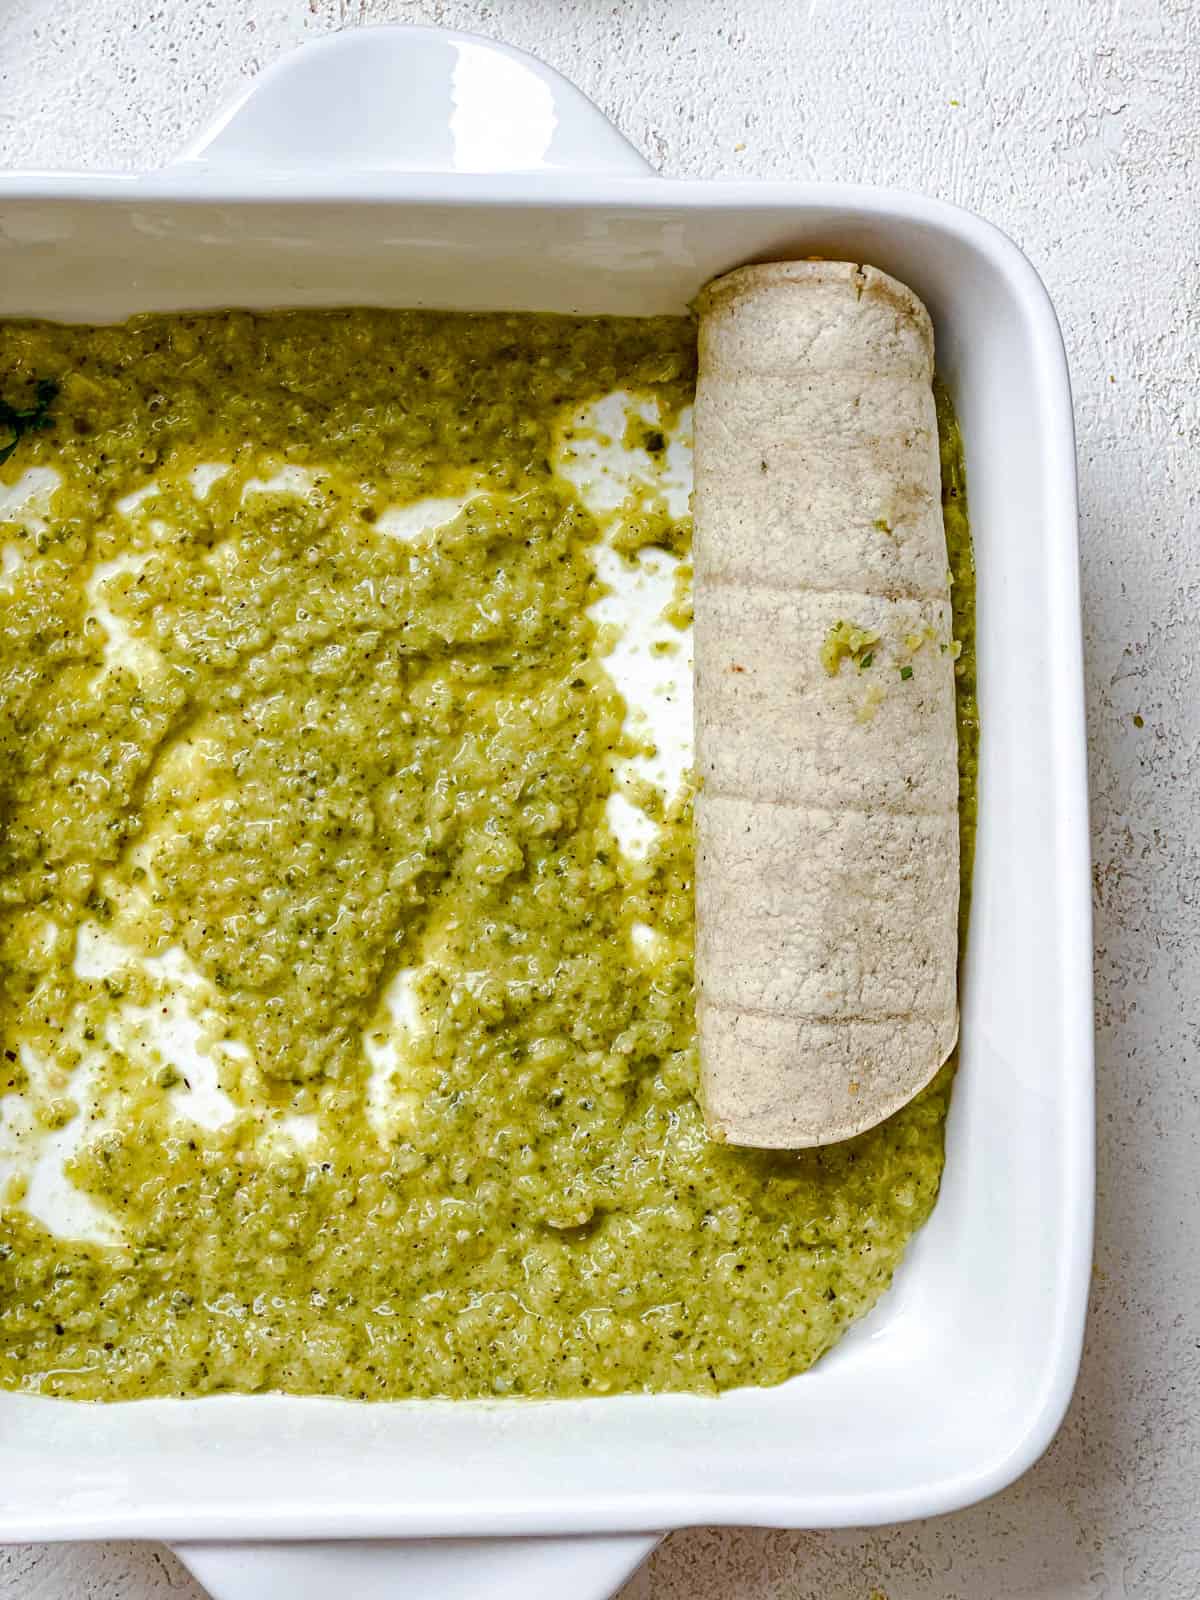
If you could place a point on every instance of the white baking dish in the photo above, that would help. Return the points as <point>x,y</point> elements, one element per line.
<point>409,167</point>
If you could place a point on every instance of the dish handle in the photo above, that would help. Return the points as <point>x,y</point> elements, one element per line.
<point>585,1568</point>
<point>409,99</point>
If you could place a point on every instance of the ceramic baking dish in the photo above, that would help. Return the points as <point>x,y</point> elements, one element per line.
<point>411,167</point>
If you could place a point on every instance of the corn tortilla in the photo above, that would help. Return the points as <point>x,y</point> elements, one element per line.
<point>827,829</point>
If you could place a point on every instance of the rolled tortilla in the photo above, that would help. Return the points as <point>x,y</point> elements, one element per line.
<point>827,826</point>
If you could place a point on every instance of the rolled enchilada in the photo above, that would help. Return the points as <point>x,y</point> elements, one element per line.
<point>827,827</point>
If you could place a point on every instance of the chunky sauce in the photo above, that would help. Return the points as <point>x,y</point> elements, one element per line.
<point>265,762</point>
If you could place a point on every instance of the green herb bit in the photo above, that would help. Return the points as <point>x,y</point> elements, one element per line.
<point>905,673</point>
<point>22,420</point>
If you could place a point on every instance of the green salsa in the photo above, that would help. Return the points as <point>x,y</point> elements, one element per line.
<point>257,738</point>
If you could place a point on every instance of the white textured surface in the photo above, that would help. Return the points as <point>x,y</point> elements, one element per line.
<point>1075,125</point>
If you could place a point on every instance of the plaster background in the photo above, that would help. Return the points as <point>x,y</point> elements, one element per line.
<point>1075,126</point>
